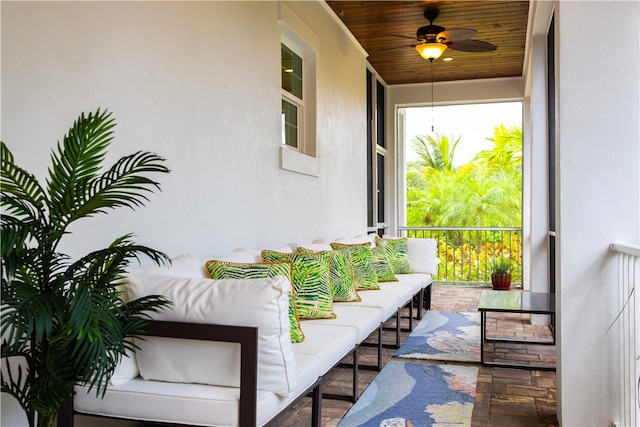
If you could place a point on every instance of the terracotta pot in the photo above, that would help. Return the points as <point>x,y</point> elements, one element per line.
<point>501,281</point>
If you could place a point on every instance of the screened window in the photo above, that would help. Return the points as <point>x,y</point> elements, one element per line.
<point>292,101</point>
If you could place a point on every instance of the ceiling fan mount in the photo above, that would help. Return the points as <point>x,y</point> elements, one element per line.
<point>429,32</point>
<point>455,38</point>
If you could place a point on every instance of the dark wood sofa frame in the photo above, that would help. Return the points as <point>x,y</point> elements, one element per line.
<point>247,337</point>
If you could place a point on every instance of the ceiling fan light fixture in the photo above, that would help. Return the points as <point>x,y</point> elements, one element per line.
<point>431,51</point>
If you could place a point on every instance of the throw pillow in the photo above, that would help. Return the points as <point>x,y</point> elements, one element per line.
<point>398,253</point>
<point>364,271</point>
<point>232,270</point>
<point>358,240</point>
<point>382,265</point>
<point>341,280</point>
<point>310,281</point>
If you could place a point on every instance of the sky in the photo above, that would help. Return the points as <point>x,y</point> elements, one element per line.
<point>473,122</point>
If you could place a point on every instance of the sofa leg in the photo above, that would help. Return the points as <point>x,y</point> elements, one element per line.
<point>427,297</point>
<point>398,328</point>
<point>379,367</point>
<point>355,375</point>
<point>411,315</point>
<point>65,415</point>
<point>316,405</point>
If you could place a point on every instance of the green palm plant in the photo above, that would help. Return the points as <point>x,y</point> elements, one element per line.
<point>436,152</point>
<point>63,322</point>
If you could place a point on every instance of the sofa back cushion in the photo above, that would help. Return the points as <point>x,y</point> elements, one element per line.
<point>185,265</point>
<point>250,302</point>
<point>423,255</point>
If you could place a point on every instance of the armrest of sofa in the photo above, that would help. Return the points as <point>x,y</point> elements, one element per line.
<point>246,336</point>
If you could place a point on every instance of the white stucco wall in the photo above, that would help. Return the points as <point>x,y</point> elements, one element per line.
<point>598,197</point>
<point>198,83</point>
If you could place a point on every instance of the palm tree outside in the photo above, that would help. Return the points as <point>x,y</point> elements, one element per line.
<point>485,192</point>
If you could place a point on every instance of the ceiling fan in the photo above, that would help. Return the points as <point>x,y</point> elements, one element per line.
<point>434,39</point>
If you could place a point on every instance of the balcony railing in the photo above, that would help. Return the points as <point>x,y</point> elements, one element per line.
<point>629,329</point>
<point>466,253</point>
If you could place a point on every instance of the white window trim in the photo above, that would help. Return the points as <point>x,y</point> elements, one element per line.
<point>302,40</point>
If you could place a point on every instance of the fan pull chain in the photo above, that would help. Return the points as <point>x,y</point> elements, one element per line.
<point>432,128</point>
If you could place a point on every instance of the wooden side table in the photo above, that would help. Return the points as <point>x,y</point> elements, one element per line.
<point>515,302</point>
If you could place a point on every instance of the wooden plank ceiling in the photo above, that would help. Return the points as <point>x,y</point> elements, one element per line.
<point>377,25</point>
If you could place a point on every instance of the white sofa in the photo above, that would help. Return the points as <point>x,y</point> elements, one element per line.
<point>202,379</point>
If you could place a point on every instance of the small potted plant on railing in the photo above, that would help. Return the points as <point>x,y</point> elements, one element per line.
<point>501,273</point>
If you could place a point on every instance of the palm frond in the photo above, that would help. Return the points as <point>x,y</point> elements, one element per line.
<point>123,185</point>
<point>78,160</point>
<point>22,195</point>
<point>28,312</point>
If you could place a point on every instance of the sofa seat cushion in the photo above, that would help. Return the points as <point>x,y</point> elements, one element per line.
<point>364,319</point>
<point>195,404</point>
<point>329,343</point>
<point>263,303</point>
<point>407,286</point>
<point>416,280</point>
<point>386,300</point>
<point>404,291</point>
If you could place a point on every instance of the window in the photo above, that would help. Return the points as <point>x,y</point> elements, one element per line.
<point>376,155</point>
<point>292,100</point>
<point>298,94</point>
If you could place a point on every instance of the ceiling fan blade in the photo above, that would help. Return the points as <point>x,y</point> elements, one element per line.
<point>456,34</point>
<point>404,37</point>
<point>390,49</point>
<point>472,46</point>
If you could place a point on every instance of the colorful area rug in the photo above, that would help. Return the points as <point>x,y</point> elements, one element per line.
<point>416,394</point>
<point>444,335</point>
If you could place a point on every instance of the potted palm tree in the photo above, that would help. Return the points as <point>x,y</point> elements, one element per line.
<point>63,322</point>
<point>501,273</point>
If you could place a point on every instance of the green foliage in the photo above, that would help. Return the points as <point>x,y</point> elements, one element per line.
<point>466,255</point>
<point>436,152</point>
<point>63,322</point>
<point>501,265</point>
<point>486,192</point>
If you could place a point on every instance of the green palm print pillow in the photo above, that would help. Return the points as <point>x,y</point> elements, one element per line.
<point>398,254</point>
<point>311,282</point>
<point>364,271</point>
<point>343,288</point>
<point>382,264</point>
<point>233,270</point>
